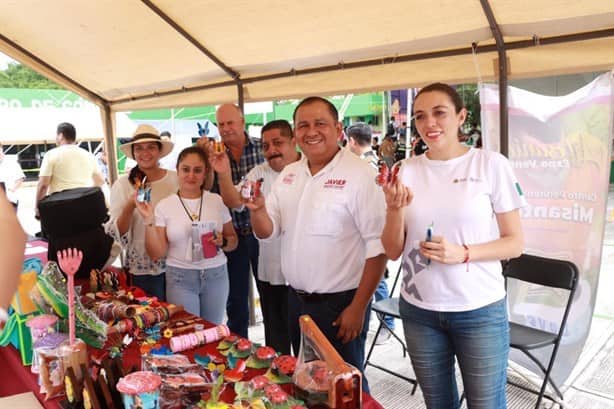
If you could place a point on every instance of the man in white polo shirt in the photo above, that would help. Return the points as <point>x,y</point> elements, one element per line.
<point>279,150</point>
<point>329,215</point>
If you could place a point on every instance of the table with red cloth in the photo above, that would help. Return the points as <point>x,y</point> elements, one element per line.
<point>19,379</point>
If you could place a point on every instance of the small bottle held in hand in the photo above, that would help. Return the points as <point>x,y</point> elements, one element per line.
<point>429,237</point>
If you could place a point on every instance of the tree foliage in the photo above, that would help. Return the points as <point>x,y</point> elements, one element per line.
<point>471,98</point>
<point>20,76</point>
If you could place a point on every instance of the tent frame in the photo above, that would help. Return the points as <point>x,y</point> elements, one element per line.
<point>235,79</point>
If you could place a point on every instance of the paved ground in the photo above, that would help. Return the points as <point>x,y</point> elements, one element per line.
<point>591,385</point>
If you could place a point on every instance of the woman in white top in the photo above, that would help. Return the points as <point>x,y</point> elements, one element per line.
<point>126,224</point>
<point>453,215</point>
<point>192,229</point>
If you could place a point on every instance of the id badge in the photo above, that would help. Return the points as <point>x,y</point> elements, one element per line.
<point>197,248</point>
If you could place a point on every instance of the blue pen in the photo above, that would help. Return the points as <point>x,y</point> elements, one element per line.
<point>429,237</point>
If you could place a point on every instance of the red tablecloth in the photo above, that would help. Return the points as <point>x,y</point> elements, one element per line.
<point>19,379</point>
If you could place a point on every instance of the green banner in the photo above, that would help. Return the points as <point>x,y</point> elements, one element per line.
<point>40,98</point>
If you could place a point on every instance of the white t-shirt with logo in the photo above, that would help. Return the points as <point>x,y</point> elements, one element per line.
<point>170,213</point>
<point>328,223</point>
<point>459,198</point>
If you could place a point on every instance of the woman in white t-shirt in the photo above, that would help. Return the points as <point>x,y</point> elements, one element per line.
<point>192,228</point>
<point>453,215</point>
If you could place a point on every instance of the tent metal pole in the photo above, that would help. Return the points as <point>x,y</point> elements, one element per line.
<point>502,76</point>
<point>232,73</point>
<point>109,140</point>
<point>514,45</point>
<point>241,96</point>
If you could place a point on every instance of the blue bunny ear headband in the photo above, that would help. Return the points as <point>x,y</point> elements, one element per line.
<point>203,131</point>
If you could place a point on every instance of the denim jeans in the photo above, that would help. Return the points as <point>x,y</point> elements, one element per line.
<point>152,285</point>
<point>479,339</point>
<point>323,313</point>
<point>201,292</point>
<point>239,261</point>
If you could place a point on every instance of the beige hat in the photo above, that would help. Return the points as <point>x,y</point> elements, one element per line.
<point>146,133</point>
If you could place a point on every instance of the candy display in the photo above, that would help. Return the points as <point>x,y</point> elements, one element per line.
<point>51,373</point>
<point>41,325</point>
<point>167,364</point>
<point>322,377</point>
<point>50,296</point>
<point>106,280</point>
<point>387,175</point>
<point>195,339</point>
<point>144,336</point>
<point>261,358</point>
<point>140,390</point>
<point>282,368</point>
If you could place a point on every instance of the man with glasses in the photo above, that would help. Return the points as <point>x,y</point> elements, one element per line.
<point>279,149</point>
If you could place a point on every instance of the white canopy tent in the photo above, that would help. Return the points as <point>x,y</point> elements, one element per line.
<point>130,55</point>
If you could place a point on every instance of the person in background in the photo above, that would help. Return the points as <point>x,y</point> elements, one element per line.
<point>192,228</point>
<point>279,149</point>
<point>13,241</point>
<point>418,146</point>
<point>329,215</point>
<point>66,166</point>
<point>454,215</point>
<point>359,135</point>
<point>169,161</point>
<point>11,177</point>
<point>244,154</point>
<point>391,128</point>
<point>375,143</point>
<point>388,150</point>
<point>101,159</point>
<point>126,224</point>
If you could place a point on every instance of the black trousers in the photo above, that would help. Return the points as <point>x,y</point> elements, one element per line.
<point>274,305</point>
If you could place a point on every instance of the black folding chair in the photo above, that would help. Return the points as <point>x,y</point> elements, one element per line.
<point>548,273</point>
<point>389,307</point>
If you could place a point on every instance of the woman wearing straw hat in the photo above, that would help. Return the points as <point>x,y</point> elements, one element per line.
<point>148,181</point>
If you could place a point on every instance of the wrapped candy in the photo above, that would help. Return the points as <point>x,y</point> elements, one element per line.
<point>251,190</point>
<point>386,175</point>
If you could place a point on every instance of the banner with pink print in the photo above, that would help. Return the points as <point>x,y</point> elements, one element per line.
<point>560,150</point>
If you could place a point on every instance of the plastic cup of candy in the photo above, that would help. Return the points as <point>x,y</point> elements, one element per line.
<point>140,390</point>
<point>41,325</point>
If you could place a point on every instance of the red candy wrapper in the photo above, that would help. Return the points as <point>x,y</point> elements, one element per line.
<point>386,175</point>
